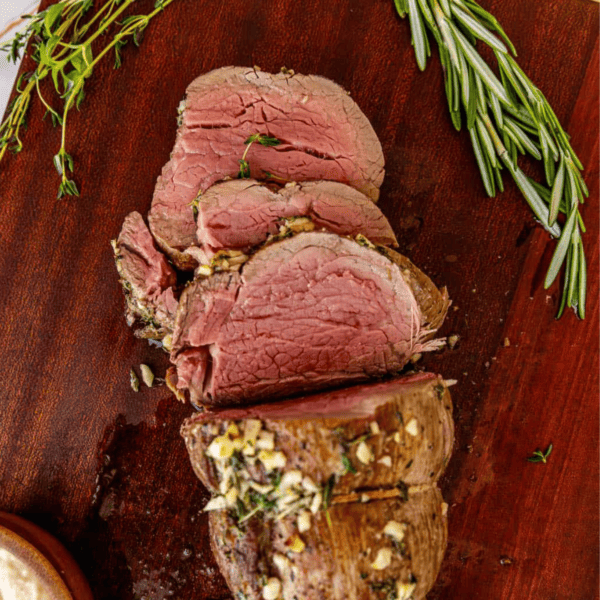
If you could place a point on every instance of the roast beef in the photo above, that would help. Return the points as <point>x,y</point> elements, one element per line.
<point>338,555</point>
<point>147,278</point>
<point>323,135</point>
<point>309,491</point>
<point>242,213</point>
<point>309,312</point>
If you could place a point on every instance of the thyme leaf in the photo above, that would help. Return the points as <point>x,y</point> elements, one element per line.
<point>540,456</point>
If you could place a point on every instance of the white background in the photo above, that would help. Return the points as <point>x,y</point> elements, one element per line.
<point>10,10</point>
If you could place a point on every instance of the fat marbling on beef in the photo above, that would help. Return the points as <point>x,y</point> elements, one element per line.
<point>312,311</point>
<point>331,496</point>
<point>323,135</point>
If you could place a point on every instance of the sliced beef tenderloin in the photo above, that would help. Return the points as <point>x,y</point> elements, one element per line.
<point>242,213</point>
<point>368,436</point>
<point>312,311</point>
<point>363,551</point>
<point>331,496</point>
<point>323,135</point>
<point>148,279</point>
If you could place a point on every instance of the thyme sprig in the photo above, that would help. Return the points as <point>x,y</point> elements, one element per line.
<point>540,455</point>
<point>507,116</point>
<point>66,45</point>
<point>263,140</point>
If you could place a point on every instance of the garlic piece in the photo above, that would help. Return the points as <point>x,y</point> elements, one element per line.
<point>316,503</point>
<point>405,591</point>
<point>297,545</point>
<point>290,478</point>
<point>272,590</point>
<point>374,425</point>
<point>309,485</point>
<point>217,503</point>
<point>397,437</point>
<point>412,427</point>
<point>281,562</point>
<point>232,431</point>
<point>364,454</point>
<point>272,460</point>
<point>231,496</point>
<point>220,448</point>
<point>386,460</point>
<point>382,560</point>
<point>303,521</point>
<point>204,270</point>
<point>266,440</point>
<point>395,530</point>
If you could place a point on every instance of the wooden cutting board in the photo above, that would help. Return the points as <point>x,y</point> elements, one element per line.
<point>104,469</point>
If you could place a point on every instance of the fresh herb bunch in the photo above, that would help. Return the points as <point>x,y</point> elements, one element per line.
<point>505,117</point>
<point>66,45</point>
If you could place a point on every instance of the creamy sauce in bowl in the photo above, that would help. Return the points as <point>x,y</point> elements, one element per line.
<point>18,581</point>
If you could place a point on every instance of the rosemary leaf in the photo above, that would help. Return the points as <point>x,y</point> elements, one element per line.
<point>418,34</point>
<point>480,65</point>
<point>557,192</point>
<point>582,282</point>
<point>561,250</point>
<point>478,30</point>
<point>481,163</point>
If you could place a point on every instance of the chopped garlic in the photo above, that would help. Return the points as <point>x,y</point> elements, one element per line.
<point>290,478</point>
<point>296,544</point>
<point>252,428</point>
<point>260,488</point>
<point>450,382</point>
<point>272,460</point>
<point>266,440</point>
<point>365,498</point>
<point>281,562</point>
<point>225,479</point>
<point>316,503</point>
<point>395,530</point>
<point>397,437</point>
<point>364,454</point>
<point>231,496</point>
<point>444,509</point>
<point>303,521</point>
<point>382,560</point>
<point>309,485</point>
<point>386,460</point>
<point>204,270</point>
<point>220,448</point>
<point>217,503</point>
<point>232,431</point>
<point>374,428</point>
<point>412,427</point>
<point>272,590</point>
<point>405,591</point>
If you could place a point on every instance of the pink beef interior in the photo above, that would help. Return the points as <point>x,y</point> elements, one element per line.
<point>241,213</point>
<point>312,311</point>
<point>324,135</point>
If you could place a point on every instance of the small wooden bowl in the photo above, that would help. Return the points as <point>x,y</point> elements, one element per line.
<point>45,557</point>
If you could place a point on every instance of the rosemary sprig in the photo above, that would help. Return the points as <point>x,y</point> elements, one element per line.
<point>263,140</point>
<point>67,45</point>
<point>507,116</point>
<point>540,456</point>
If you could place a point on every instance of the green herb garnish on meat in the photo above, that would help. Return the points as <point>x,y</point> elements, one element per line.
<point>507,116</point>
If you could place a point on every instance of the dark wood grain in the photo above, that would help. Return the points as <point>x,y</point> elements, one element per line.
<point>104,469</point>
